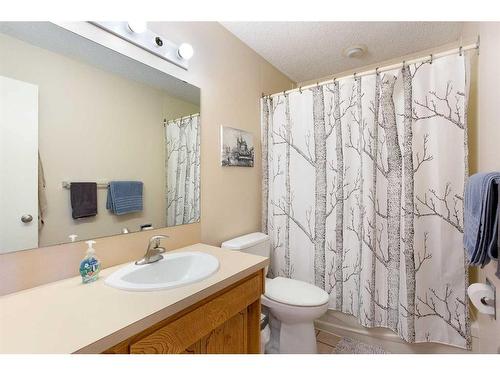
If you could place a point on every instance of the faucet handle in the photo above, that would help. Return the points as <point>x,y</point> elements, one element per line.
<point>153,252</point>
<point>156,240</point>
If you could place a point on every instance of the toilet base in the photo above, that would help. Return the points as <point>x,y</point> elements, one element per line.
<point>297,338</point>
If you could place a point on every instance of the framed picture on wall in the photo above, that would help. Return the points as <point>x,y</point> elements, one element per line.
<point>237,148</point>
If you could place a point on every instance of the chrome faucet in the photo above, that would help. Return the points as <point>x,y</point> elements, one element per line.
<point>154,251</point>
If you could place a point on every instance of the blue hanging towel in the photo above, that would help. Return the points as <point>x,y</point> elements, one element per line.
<point>481,218</point>
<point>124,197</point>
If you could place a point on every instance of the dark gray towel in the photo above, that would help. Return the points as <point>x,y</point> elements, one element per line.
<point>83,199</point>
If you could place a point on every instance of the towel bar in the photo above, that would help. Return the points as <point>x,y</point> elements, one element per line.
<point>100,185</point>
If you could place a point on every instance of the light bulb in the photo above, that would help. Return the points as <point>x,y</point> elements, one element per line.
<point>185,51</point>
<point>137,26</point>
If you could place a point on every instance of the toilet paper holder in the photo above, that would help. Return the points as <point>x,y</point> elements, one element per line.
<point>483,297</point>
<point>488,301</point>
<point>491,301</point>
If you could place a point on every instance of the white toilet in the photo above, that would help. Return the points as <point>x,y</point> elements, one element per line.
<point>294,303</point>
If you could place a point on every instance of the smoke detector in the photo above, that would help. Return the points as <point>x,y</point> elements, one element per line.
<point>355,51</point>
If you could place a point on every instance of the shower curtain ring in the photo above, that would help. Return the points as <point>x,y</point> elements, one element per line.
<point>300,89</point>
<point>460,51</point>
<point>284,93</point>
<point>376,71</point>
<point>432,58</point>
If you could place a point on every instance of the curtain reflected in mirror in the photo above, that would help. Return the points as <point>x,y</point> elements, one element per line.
<point>182,139</point>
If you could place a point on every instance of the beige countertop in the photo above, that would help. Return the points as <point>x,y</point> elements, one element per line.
<point>70,317</point>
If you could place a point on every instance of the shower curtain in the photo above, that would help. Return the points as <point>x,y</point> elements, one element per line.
<point>182,164</point>
<point>363,185</point>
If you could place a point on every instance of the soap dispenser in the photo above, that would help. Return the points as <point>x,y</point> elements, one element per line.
<point>90,265</point>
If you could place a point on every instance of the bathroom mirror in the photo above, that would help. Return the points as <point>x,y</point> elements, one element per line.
<point>92,142</point>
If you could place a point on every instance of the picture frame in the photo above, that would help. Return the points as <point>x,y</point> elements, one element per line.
<point>237,148</point>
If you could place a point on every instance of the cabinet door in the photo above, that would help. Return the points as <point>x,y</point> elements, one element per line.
<point>226,314</point>
<point>229,338</point>
<point>193,349</point>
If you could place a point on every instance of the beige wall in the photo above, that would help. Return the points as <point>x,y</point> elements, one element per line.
<point>484,137</point>
<point>232,78</point>
<point>174,108</point>
<point>94,126</point>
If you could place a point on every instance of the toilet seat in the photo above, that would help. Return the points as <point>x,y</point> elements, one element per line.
<point>295,292</point>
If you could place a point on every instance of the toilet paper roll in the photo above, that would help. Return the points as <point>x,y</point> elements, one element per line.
<point>477,292</point>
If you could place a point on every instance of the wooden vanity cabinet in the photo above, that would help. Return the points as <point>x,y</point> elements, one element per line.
<point>227,322</point>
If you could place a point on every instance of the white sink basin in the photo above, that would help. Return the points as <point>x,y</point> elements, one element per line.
<point>174,270</point>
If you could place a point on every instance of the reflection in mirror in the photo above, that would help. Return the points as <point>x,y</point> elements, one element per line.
<point>92,143</point>
<point>183,170</point>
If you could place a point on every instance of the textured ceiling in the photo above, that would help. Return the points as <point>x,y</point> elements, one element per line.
<point>310,50</point>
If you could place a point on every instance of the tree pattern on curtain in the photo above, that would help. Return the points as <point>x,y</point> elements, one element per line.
<point>182,164</point>
<point>363,193</point>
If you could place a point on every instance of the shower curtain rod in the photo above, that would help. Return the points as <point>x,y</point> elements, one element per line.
<point>165,121</point>
<point>431,57</point>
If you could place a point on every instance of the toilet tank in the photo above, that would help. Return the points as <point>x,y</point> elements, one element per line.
<point>254,243</point>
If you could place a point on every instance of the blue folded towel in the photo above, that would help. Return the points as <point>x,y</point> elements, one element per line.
<point>481,218</point>
<point>124,197</point>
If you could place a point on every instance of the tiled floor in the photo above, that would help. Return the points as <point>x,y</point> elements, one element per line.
<point>326,342</point>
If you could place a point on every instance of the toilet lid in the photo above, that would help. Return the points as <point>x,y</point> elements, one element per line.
<point>295,292</point>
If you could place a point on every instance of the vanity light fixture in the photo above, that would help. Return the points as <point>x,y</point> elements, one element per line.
<point>137,33</point>
<point>185,51</point>
<point>137,26</point>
